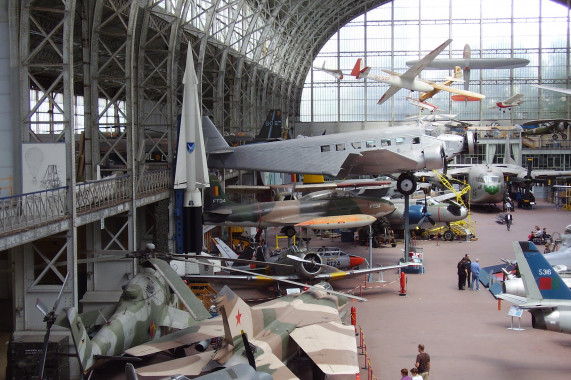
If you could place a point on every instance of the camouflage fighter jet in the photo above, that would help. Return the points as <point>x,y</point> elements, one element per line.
<point>277,331</point>
<point>324,209</point>
<point>150,301</point>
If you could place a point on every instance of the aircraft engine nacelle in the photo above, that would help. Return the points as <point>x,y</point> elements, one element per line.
<point>471,141</point>
<point>309,270</point>
<point>434,158</point>
<point>551,320</point>
<point>514,286</point>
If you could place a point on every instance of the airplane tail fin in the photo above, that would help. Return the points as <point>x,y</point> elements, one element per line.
<point>214,197</point>
<point>457,72</point>
<point>467,52</point>
<point>236,314</point>
<point>213,139</point>
<point>225,250</point>
<point>272,128</point>
<point>540,279</point>
<point>81,340</point>
<point>356,72</point>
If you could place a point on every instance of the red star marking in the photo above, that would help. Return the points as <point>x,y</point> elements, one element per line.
<point>238,317</point>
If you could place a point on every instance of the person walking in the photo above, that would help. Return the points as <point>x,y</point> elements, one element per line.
<point>475,269</point>
<point>461,274</point>
<point>422,362</point>
<point>508,219</point>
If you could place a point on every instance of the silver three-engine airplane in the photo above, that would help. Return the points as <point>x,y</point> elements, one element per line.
<point>367,152</point>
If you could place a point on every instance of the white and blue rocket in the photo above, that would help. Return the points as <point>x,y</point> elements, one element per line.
<point>191,170</point>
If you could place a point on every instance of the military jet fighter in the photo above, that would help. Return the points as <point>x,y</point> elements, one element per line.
<point>276,331</point>
<point>150,300</point>
<point>324,209</point>
<point>547,297</point>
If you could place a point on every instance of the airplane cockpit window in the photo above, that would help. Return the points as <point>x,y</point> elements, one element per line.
<point>371,143</point>
<point>339,147</point>
<point>356,145</point>
<point>385,142</point>
<point>416,140</point>
<point>399,140</point>
<point>491,179</point>
<point>325,148</point>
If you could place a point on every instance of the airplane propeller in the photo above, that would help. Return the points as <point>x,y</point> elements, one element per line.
<point>49,318</point>
<point>312,262</point>
<point>425,214</point>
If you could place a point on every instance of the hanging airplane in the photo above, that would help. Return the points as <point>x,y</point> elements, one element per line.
<point>326,209</point>
<point>511,102</point>
<point>305,323</point>
<point>566,91</point>
<point>367,152</point>
<point>467,63</point>
<point>457,78</point>
<point>334,72</point>
<point>547,297</point>
<point>422,105</point>
<point>150,302</point>
<point>409,79</point>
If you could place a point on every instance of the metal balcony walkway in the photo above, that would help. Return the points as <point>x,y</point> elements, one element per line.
<point>28,217</point>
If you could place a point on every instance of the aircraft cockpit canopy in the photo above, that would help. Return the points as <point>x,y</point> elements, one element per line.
<point>328,194</point>
<point>490,179</point>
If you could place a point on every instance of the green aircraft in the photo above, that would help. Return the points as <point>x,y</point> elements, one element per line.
<point>324,209</point>
<point>277,331</point>
<point>150,302</point>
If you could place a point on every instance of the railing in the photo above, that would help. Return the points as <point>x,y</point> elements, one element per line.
<point>33,209</point>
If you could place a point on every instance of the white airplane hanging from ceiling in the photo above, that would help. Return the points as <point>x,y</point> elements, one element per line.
<point>409,79</point>
<point>467,63</point>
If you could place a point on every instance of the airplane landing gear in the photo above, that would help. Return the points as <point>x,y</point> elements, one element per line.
<point>406,184</point>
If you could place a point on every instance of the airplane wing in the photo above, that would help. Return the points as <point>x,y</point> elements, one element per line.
<point>356,272</point>
<point>413,72</point>
<point>368,162</point>
<point>557,89</point>
<point>273,365</point>
<point>455,90</point>
<point>516,300</point>
<point>340,221</point>
<point>211,328</point>
<point>188,366</point>
<point>315,340</point>
<point>388,94</point>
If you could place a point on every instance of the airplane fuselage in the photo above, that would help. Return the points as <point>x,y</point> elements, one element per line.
<point>394,80</point>
<point>441,213</point>
<point>369,152</point>
<point>487,185</point>
<point>319,204</point>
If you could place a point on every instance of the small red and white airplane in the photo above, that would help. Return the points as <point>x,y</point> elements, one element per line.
<point>422,105</point>
<point>514,101</point>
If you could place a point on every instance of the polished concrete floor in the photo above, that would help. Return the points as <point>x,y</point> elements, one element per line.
<point>464,333</point>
